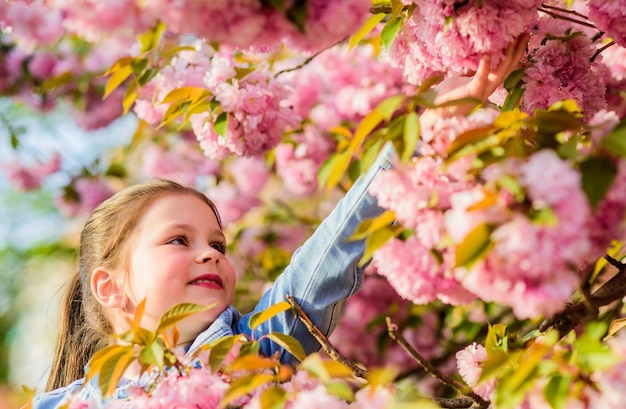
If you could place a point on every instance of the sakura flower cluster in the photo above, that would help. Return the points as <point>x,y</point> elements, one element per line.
<point>442,36</point>
<point>537,223</point>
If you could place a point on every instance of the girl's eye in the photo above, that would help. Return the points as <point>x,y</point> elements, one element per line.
<point>181,240</point>
<point>219,246</point>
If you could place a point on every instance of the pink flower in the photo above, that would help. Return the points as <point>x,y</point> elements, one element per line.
<point>562,70</point>
<point>440,37</point>
<point>35,23</point>
<point>608,16</point>
<point>30,178</point>
<point>469,361</point>
<point>298,163</point>
<point>82,196</point>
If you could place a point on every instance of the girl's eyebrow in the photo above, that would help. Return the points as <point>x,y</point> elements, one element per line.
<point>189,227</point>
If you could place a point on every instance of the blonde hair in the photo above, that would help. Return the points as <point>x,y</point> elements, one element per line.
<point>84,327</point>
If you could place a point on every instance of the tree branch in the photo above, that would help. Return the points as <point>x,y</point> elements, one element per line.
<point>323,340</point>
<point>562,17</point>
<point>574,314</point>
<point>445,379</point>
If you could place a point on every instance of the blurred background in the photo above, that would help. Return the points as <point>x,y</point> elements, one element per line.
<point>37,243</point>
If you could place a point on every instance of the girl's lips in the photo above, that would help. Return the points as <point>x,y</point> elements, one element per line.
<point>208,281</point>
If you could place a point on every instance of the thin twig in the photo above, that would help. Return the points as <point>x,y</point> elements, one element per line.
<point>599,51</point>
<point>445,379</point>
<point>458,403</point>
<point>323,340</point>
<point>562,17</point>
<point>562,10</point>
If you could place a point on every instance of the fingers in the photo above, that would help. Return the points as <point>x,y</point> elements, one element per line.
<point>511,58</point>
<point>481,77</point>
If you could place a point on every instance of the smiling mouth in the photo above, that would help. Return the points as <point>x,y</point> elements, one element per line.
<point>208,281</point>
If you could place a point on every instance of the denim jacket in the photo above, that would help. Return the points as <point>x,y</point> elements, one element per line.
<point>321,276</point>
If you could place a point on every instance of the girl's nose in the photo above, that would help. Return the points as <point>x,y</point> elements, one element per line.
<point>206,256</point>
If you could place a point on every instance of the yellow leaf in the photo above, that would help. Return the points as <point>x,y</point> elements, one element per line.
<point>474,245</point>
<point>489,199</point>
<point>469,137</point>
<point>113,369</point>
<point>119,64</point>
<point>342,130</point>
<point>289,343</point>
<point>365,127</point>
<point>273,398</point>
<point>269,313</point>
<point>338,168</point>
<point>182,94</point>
<point>130,96</point>
<point>243,386</point>
<point>117,79</point>
<point>139,310</point>
<point>251,363</point>
<point>365,29</point>
<point>368,226</point>
<point>615,326</point>
<point>378,239</point>
<point>178,313</point>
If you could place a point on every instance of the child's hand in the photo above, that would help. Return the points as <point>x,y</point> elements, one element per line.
<point>478,86</point>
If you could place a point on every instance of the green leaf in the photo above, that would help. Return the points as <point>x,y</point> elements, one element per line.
<point>219,351</point>
<point>269,313</point>
<point>513,99</point>
<point>598,174</point>
<point>469,137</point>
<point>297,13</point>
<point>365,29</point>
<point>615,142</point>
<point>553,122</point>
<point>153,354</point>
<point>138,65</point>
<point>341,390</point>
<point>289,343</point>
<point>389,105</point>
<point>514,79</point>
<point>411,136</point>
<point>221,124</point>
<point>569,149</point>
<point>556,390</point>
<point>390,30</point>
<point>178,313</point>
<point>474,246</point>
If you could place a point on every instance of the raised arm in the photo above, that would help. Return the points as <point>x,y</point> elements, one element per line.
<point>323,273</point>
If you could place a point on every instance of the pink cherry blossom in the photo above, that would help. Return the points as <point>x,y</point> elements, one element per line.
<point>440,37</point>
<point>469,362</point>
<point>608,15</point>
<point>25,178</point>
<point>82,196</point>
<point>561,70</point>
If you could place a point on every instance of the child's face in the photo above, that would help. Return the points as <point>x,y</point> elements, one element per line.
<point>177,255</point>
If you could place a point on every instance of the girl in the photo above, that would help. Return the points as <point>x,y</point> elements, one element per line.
<point>163,242</point>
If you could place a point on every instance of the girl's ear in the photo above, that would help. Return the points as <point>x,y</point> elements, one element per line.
<point>106,290</point>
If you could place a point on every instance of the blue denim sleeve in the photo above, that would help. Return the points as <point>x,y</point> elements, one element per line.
<point>322,273</point>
